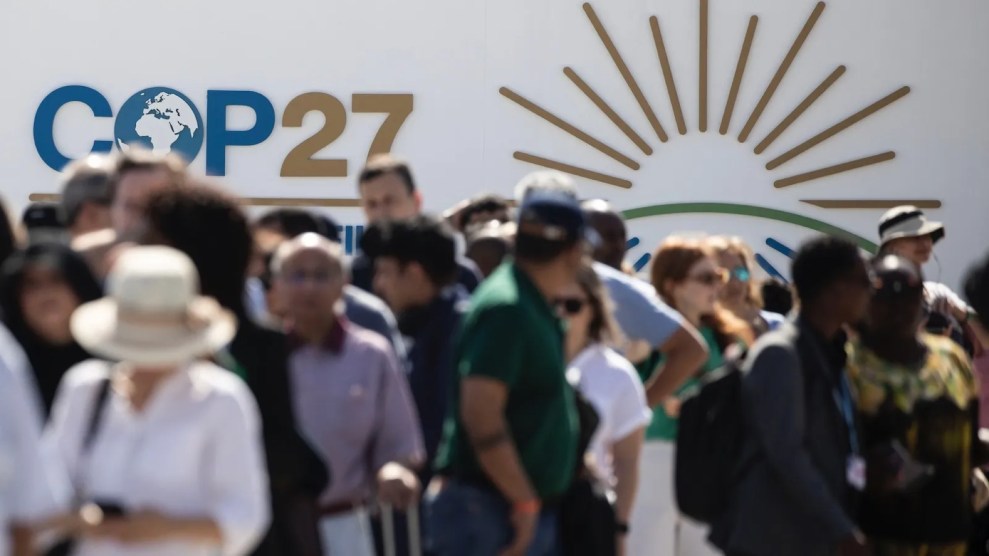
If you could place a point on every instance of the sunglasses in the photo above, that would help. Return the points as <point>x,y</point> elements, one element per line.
<point>741,274</point>
<point>710,278</point>
<point>569,305</point>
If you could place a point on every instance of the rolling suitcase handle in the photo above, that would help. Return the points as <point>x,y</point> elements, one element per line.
<point>412,528</point>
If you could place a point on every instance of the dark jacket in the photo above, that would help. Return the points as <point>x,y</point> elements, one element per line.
<point>791,497</point>
<point>296,473</point>
<point>431,332</point>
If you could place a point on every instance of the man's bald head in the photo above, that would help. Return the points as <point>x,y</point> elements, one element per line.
<point>313,243</point>
<point>309,276</point>
<point>610,226</point>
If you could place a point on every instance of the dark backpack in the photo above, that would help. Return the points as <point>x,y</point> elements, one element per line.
<point>709,443</point>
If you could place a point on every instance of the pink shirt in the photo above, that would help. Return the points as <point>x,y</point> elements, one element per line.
<point>353,403</point>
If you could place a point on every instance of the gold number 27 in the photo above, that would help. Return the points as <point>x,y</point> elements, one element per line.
<point>302,162</point>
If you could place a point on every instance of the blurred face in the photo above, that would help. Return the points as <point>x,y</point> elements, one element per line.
<point>573,306</point>
<point>614,238</point>
<point>850,295</point>
<point>401,286</point>
<point>127,210</point>
<point>698,293</point>
<point>266,241</point>
<point>896,315</point>
<point>387,197</point>
<point>47,302</point>
<point>487,253</point>
<point>739,276</point>
<point>915,249</point>
<point>92,217</point>
<point>309,285</point>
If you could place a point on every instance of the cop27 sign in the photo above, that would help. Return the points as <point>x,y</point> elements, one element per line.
<point>165,121</point>
<point>771,119</point>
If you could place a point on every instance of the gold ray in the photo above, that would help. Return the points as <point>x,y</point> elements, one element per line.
<point>702,78</point>
<point>836,169</point>
<point>570,169</point>
<point>800,109</point>
<point>781,72</point>
<point>736,83</point>
<point>664,63</point>
<point>626,73</point>
<point>568,127</point>
<point>838,128</point>
<point>608,111</point>
<point>871,203</point>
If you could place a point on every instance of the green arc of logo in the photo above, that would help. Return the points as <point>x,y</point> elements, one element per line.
<point>749,210</point>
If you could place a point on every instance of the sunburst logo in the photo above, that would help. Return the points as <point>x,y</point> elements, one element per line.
<point>781,151</point>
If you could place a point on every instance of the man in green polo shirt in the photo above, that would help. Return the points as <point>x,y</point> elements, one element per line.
<point>510,442</point>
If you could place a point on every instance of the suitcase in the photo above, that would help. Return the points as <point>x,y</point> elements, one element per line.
<point>388,530</point>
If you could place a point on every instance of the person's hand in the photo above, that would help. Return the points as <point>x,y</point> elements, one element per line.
<point>620,545</point>
<point>980,494</point>
<point>397,486</point>
<point>524,524</point>
<point>854,545</point>
<point>672,406</point>
<point>140,527</point>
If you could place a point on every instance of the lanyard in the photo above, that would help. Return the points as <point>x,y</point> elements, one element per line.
<point>843,398</point>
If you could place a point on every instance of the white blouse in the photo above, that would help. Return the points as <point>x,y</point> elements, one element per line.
<point>195,451</point>
<point>29,491</point>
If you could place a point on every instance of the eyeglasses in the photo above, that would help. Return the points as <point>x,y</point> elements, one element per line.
<point>569,305</point>
<point>741,274</point>
<point>710,278</point>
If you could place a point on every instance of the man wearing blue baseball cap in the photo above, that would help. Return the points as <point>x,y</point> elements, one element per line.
<point>510,442</point>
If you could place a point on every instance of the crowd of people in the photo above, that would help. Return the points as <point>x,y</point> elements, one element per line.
<point>178,378</point>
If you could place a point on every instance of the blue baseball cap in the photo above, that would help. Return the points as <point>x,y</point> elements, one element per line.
<point>553,215</point>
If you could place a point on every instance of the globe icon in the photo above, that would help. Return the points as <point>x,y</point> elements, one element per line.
<point>161,120</point>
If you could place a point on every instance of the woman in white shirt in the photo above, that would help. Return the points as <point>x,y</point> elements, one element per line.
<point>612,386</point>
<point>167,446</point>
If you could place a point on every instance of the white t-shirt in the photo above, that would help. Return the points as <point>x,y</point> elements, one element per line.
<point>194,451</point>
<point>611,385</point>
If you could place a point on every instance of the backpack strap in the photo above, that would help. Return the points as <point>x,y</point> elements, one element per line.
<point>96,412</point>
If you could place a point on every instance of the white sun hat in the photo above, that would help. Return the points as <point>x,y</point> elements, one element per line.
<point>908,221</point>
<point>153,314</point>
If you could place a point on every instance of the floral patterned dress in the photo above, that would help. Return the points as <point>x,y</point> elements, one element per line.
<point>929,410</point>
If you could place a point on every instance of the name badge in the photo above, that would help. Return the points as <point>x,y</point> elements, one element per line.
<point>855,472</point>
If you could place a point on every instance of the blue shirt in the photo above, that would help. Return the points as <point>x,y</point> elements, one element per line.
<point>639,311</point>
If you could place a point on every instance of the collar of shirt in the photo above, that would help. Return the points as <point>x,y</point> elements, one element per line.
<point>419,321</point>
<point>332,342</point>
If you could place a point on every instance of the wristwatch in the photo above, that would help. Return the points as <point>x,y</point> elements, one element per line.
<point>621,527</point>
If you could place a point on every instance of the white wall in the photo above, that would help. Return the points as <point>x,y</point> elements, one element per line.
<point>454,55</point>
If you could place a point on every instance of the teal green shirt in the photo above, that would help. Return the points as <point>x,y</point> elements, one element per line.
<point>513,335</point>
<point>664,427</point>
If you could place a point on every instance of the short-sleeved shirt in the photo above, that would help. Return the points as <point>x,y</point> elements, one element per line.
<point>612,386</point>
<point>663,426</point>
<point>353,403</point>
<point>640,313</point>
<point>511,334</point>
